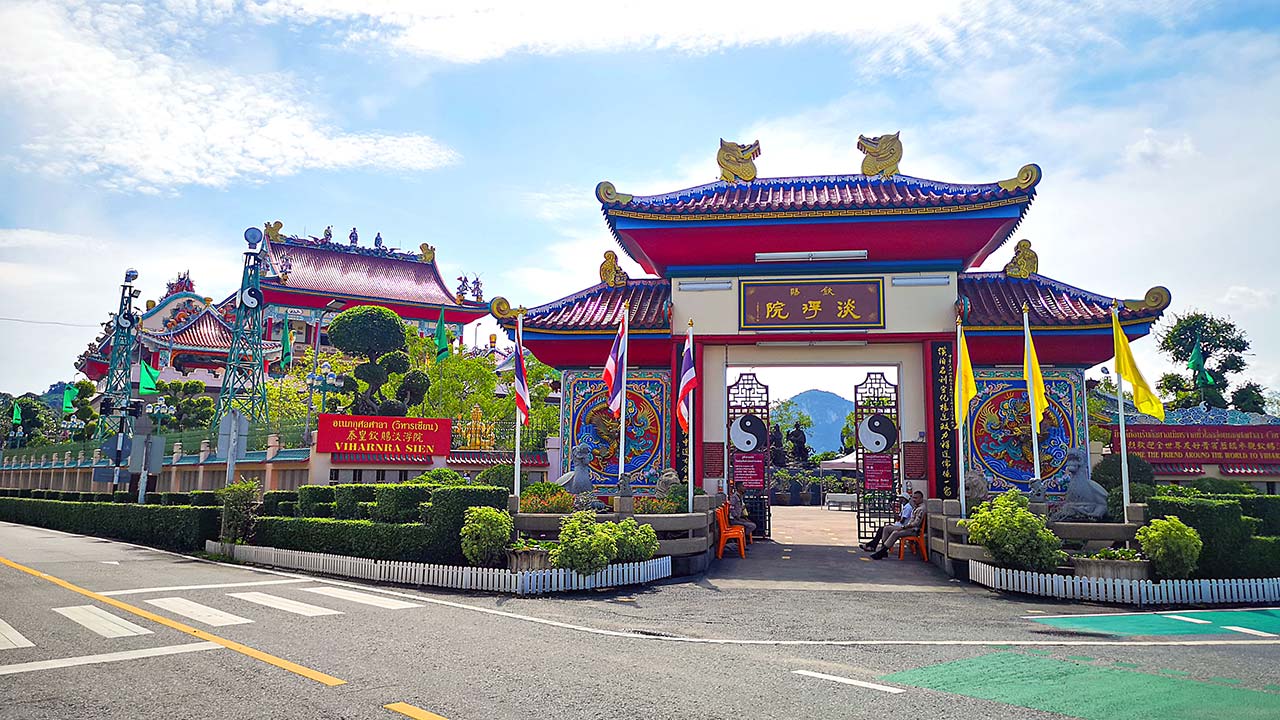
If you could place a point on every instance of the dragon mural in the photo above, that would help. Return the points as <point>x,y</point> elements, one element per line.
<point>587,422</point>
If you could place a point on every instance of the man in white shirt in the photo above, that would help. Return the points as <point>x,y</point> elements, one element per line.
<point>908,524</point>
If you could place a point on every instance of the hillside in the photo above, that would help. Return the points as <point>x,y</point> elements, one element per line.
<point>828,411</point>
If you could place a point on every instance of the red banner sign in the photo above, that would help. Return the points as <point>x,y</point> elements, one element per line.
<point>877,472</point>
<point>383,435</point>
<point>1216,444</point>
<point>811,304</point>
<point>748,469</point>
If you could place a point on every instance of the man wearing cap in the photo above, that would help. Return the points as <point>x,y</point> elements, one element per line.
<point>908,524</point>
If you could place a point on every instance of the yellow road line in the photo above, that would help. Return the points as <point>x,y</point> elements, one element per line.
<point>412,711</point>
<point>180,627</point>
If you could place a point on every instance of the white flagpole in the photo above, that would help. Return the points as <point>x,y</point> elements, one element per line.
<point>1124,446</point>
<point>960,426</point>
<point>519,349</point>
<point>1031,395</point>
<point>689,433</point>
<point>622,411</point>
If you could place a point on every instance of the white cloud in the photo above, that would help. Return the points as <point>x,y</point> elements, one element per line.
<point>112,91</point>
<point>1160,152</point>
<point>1247,298</point>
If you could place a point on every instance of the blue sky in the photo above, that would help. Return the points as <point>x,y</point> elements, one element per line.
<point>151,135</point>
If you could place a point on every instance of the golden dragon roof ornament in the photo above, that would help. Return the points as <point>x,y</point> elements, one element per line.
<point>737,162</point>
<point>883,154</point>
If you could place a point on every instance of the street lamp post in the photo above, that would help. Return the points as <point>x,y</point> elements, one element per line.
<point>71,426</point>
<point>16,435</point>
<point>325,381</point>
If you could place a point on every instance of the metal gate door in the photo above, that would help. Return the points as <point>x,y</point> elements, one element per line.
<point>749,398</point>
<point>877,506</point>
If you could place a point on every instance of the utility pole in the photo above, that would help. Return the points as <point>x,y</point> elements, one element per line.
<point>243,387</point>
<point>119,387</point>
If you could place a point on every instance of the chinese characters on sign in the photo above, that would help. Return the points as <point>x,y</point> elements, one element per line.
<point>811,304</point>
<point>399,436</point>
<point>1215,444</point>
<point>942,397</point>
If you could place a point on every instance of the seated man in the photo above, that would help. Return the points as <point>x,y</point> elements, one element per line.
<point>738,510</point>
<point>908,525</point>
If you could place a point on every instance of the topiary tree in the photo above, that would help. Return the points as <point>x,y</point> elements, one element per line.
<point>1107,472</point>
<point>485,534</point>
<point>377,335</point>
<point>1174,548</point>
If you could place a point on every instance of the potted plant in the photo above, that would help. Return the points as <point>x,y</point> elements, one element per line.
<point>526,554</point>
<point>1112,563</point>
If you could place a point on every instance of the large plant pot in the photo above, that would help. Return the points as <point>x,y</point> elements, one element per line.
<point>532,559</point>
<point>1113,569</point>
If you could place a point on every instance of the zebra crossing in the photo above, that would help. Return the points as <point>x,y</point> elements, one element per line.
<point>232,608</point>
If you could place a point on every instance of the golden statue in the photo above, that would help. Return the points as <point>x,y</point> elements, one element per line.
<point>736,161</point>
<point>272,231</point>
<point>479,434</point>
<point>427,253</point>
<point>610,273</point>
<point>1024,261</point>
<point>883,154</point>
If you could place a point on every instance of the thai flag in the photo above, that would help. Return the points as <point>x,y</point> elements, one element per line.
<point>688,381</point>
<point>522,380</point>
<point>615,369</point>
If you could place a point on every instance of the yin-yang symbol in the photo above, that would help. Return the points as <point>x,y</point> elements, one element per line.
<point>748,433</point>
<point>251,297</point>
<point>877,433</point>
<point>124,321</point>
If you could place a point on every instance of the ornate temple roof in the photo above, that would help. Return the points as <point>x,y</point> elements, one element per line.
<point>599,309</point>
<point>995,300</point>
<point>205,332</point>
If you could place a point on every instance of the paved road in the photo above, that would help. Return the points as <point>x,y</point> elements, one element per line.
<point>97,629</point>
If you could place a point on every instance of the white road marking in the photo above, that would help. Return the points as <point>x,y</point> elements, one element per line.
<point>198,612</point>
<point>109,562</point>
<point>101,621</point>
<point>10,638</point>
<point>850,681</point>
<point>1184,618</point>
<point>214,586</point>
<point>1248,631</point>
<point>363,598</point>
<point>1184,612</point>
<point>279,603</point>
<point>106,657</point>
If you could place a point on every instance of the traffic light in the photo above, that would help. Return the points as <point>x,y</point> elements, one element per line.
<point>135,407</point>
<point>107,406</point>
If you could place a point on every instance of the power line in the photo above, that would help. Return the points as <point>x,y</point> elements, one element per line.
<point>47,322</point>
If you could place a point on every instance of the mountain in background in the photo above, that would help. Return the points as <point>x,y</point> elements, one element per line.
<point>828,411</point>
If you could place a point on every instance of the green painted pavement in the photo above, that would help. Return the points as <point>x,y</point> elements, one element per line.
<point>1089,691</point>
<point>1127,624</point>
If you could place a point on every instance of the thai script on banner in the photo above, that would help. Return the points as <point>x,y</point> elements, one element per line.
<point>1201,443</point>
<point>383,435</point>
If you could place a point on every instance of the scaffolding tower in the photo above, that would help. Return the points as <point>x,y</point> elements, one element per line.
<point>119,387</point>
<point>243,385</point>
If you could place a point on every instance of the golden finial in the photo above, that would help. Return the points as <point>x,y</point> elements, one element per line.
<point>1025,308</point>
<point>611,274</point>
<point>690,322</point>
<point>607,193</point>
<point>737,161</point>
<point>426,253</point>
<point>1024,261</point>
<point>883,153</point>
<point>1027,178</point>
<point>501,309</point>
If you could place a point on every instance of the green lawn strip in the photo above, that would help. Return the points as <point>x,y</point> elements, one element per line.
<point>1080,658</point>
<point>1166,671</point>
<point>1225,681</point>
<point>1125,624</point>
<point>1129,665</point>
<point>1272,688</point>
<point>1088,691</point>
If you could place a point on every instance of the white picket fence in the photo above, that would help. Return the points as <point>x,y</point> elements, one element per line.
<point>457,577</point>
<point>1128,592</point>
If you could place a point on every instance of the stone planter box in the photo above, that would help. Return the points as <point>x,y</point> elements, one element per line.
<point>531,559</point>
<point>1113,569</point>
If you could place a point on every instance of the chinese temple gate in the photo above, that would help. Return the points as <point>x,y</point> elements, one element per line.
<point>868,269</point>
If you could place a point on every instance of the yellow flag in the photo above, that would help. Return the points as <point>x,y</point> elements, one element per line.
<point>966,386</point>
<point>1145,400</point>
<point>1035,380</point>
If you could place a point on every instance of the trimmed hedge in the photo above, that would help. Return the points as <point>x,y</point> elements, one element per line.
<point>1263,557</point>
<point>175,527</point>
<point>447,512</point>
<point>272,498</point>
<point>1264,507</point>
<point>1222,528</point>
<point>205,498</point>
<point>399,503</point>
<point>358,538</point>
<point>348,498</point>
<point>309,495</point>
<point>365,510</point>
<point>1223,486</point>
<point>124,496</point>
<point>152,498</point>
<point>288,508</point>
<point>175,498</point>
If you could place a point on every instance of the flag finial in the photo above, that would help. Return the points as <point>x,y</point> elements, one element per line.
<point>690,322</point>
<point>1026,308</point>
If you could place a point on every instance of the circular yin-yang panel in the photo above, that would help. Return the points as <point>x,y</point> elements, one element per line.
<point>877,433</point>
<point>748,433</point>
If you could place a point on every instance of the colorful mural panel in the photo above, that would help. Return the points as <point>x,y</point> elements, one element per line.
<point>585,418</point>
<point>999,432</point>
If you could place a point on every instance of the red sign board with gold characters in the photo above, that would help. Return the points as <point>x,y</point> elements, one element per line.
<point>811,304</point>
<point>418,437</point>
<point>1222,444</point>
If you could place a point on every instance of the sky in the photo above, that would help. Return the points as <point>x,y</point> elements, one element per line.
<point>149,135</point>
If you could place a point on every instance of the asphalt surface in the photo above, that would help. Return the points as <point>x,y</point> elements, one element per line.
<point>726,646</point>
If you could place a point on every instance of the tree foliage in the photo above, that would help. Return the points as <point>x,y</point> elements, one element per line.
<point>194,407</point>
<point>378,335</point>
<point>1223,346</point>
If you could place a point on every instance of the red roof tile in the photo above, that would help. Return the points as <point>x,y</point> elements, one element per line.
<point>335,269</point>
<point>1177,469</point>
<point>600,308</point>
<point>995,300</point>
<point>1249,469</point>
<point>204,331</point>
<point>490,458</point>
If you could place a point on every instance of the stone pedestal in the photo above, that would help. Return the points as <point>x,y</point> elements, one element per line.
<point>1135,513</point>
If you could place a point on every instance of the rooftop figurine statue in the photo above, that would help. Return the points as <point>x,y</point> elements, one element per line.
<point>1086,500</point>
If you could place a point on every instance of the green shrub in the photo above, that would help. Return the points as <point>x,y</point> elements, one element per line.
<point>1220,486</point>
<point>1184,491</point>
<point>324,510</point>
<point>366,510</point>
<point>1015,537</point>
<point>1262,559</point>
<point>447,512</point>
<point>1107,472</point>
<point>399,503</point>
<point>124,496</point>
<point>204,498</point>
<point>173,527</point>
<point>272,498</point>
<point>286,508</point>
<point>24,492</point>
<point>239,500</point>
<point>152,498</point>
<point>348,498</point>
<point>40,494</point>
<point>1126,554</point>
<point>1264,507</point>
<point>502,476</point>
<point>541,489</point>
<point>1115,499</point>
<point>1223,532</point>
<point>309,495</point>
<point>357,538</point>
<point>175,498</point>
<point>1174,548</point>
<point>679,494</point>
<point>660,506</point>
<point>559,501</point>
<point>485,534</point>
<point>586,546</point>
<point>635,542</point>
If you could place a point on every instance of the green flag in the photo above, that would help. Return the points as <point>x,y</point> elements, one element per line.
<point>147,380</point>
<point>17,413</point>
<point>69,396</point>
<point>1200,376</point>
<point>286,352</point>
<point>442,338</point>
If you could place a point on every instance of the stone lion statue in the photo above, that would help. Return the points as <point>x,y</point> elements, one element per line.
<point>1086,500</point>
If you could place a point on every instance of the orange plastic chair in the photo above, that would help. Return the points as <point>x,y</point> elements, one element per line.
<point>919,542</point>
<point>729,532</point>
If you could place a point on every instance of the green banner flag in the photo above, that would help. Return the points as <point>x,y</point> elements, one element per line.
<point>442,338</point>
<point>17,413</point>
<point>286,351</point>
<point>1200,376</point>
<point>69,396</point>
<point>147,380</point>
